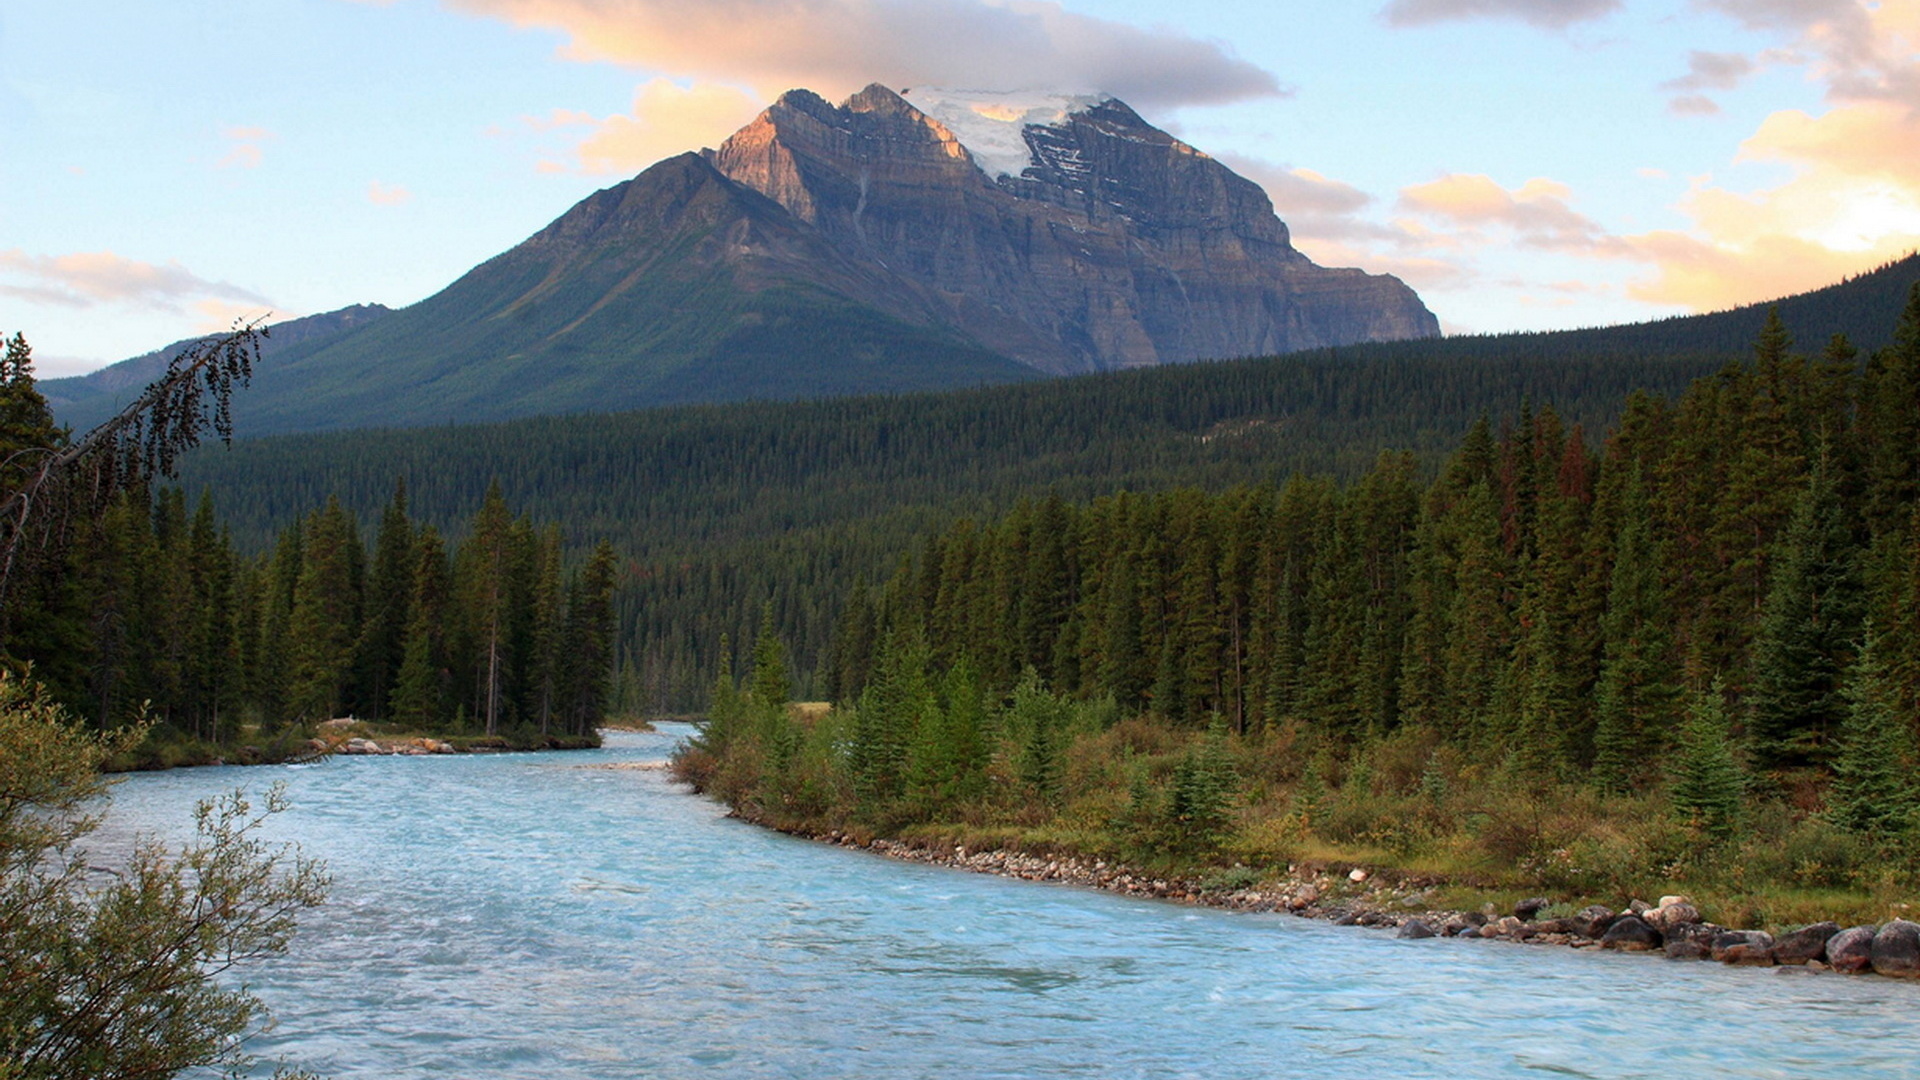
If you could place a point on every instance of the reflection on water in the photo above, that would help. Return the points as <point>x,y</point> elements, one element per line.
<point>574,916</point>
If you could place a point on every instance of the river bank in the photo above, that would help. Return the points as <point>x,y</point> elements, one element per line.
<point>352,738</point>
<point>1671,928</point>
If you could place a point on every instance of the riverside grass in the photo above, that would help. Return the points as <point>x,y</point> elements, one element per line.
<point>1405,808</point>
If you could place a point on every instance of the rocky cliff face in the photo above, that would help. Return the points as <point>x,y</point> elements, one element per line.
<point>1114,245</point>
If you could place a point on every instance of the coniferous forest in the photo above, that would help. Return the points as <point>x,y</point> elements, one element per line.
<point>1686,650</point>
<point>147,611</point>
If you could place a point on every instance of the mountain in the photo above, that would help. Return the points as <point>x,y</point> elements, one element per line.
<point>81,401</point>
<point>1115,245</point>
<point>827,250</point>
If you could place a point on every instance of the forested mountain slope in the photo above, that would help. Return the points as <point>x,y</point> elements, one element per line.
<point>721,509</point>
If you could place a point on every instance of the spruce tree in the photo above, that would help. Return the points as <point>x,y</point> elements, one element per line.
<point>1039,719</point>
<point>419,700</point>
<point>769,684</point>
<point>325,623</point>
<point>1874,793</point>
<point>1637,695</point>
<point>1808,629</point>
<point>382,644</point>
<point>1708,789</point>
<point>1200,802</point>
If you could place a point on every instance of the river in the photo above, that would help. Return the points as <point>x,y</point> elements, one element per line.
<point>572,916</point>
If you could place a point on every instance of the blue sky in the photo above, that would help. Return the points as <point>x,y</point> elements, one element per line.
<point>1524,164</point>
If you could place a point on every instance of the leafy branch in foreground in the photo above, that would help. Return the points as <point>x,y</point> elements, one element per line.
<point>121,980</point>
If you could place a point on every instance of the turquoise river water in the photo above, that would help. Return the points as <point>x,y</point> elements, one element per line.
<point>560,916</point>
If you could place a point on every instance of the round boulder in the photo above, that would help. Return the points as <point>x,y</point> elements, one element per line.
<point>1753,948</point>
<point>1591,921</point>
<point>1526,909</point>
<point>1415,928</point>
<point>1896,950</point>
<point>1807,943</point>
<point>1851,951</point>
<point>1669,916</point>
<point>1630,933</point>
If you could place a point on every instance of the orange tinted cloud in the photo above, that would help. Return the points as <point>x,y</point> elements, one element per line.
<point>244,150</point>
<point>838,46</point>
<point>1536,214</point>
<point>1852,204</point>
<point>85,279</point>
<point>380,194</point>
<point>667,119</point>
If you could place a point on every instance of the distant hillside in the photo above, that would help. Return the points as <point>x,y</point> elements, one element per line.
<point>722,508</point>
<point>82,401</point>
<point>1865,308</point>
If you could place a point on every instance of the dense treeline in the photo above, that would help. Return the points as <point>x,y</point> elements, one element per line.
<point>722,510</point>
<point>151,612</point>
<point>1714,615</point>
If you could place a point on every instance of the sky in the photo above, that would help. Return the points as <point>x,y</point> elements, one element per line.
<point>167,168</point>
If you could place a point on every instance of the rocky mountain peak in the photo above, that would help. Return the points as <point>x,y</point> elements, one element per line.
<point>1061,229</point>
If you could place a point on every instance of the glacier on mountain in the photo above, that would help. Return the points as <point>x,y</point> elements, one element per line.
<point>992,124</point>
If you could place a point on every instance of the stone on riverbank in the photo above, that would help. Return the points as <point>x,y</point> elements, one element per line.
<point>1751,948</point>
<point>1690,941</point>
<point>1526,909</point>
<point>1630,933</point>
<point>1592,921</point>
<point>1896,950</point>
<point>1415,929</point>
<point>1673,912</point>
<point>1807,943</point>
<point>1851,951</point>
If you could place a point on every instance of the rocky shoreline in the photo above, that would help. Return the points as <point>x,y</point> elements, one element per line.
<point>1672,928</point>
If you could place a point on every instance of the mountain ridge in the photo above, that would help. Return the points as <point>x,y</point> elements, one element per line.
<point>842,249</point>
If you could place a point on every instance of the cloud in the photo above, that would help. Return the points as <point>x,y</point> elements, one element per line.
<point>1852,200</point>
<point>1536,214</point>
<point>1329,224</point>
<point>1711,71</point>
<point>838,46</point>
<point>667,119</point>
<point>1693,105</point>
<point>244,150</point>
<point>216,316</point>
<point>1864,51</point>
<point>380,194</point>
<point>1852,203</point>
<point>86,279</point>
<point>1550,14</point>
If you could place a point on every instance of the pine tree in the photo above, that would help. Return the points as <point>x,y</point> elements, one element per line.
<point>1708,788</point>
<point>1637,695</point>
<point>1200,802</point>
<point>325,623</point>
<point>769,685</point>
<point>421,691</point>
<point>589,642</point>
<point>382,644</point>
<point>1874,792</point>
<point>1039,719</point>
<point>1808,630</point>
<point>551,656</point>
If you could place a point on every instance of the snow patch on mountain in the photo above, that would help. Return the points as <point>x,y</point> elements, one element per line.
<point>991,123</point>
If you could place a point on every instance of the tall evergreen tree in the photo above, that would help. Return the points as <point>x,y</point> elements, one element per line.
<point>1638,693</point>
<point>1808,631</point>
<point>325,620</point>
<point>390,580</point>
<point>1874,792</point>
